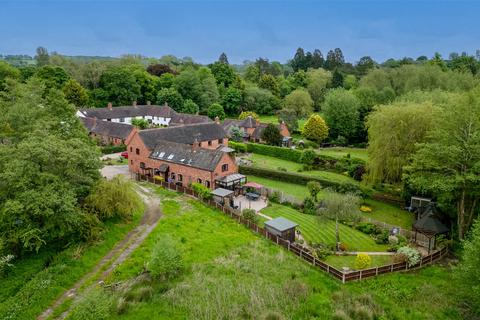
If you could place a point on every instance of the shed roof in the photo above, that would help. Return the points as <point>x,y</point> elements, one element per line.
<point>429,223</point>
<point>281,224</point>
<point>220,192</point>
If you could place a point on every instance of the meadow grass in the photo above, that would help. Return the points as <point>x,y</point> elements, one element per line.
<point>316,230</point>
<point>340,152</point>
<point>36,280</point>
<point>231,273</point>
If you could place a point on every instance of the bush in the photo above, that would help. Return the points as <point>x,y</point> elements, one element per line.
<point>367,228</point>
<point>245,114</point>
<point>113,149</point>
<point>343,247</point>
<point>5,263</point>
<point>274,197</point>
<point>322,251</point>
<point>250,215</point>
<point>165,260</point>
<point>382,237</point>
<point>308,157</point>
<point>202,191</point>
<point>94,306</point>
<point>309,205</point>
<point>114,198</point>
<point>238,146</point>
<point>362,261</point>
<point>412,255</point>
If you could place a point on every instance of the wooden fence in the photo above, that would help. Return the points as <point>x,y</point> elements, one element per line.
<point>300,251</point>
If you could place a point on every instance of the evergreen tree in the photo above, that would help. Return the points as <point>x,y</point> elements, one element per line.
<point>271,135</point>
<point>223,58</point>
<point>315,129</point>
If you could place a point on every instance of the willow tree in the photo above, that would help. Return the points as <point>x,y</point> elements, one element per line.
<point>447,165</point>
<point>393,131</point>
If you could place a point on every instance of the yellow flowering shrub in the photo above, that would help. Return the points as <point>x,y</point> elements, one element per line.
<point>365,209</point>
<point>363,261</point>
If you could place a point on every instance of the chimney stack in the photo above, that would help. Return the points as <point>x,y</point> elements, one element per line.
<point>195,145</point>
<point>134,103</point>
<point>148,103</point>
<point>109,106</point>
<point>217,120</point>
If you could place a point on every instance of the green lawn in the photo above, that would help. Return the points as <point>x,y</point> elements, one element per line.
<point>231,273</point>
<point>31,287</point>
<point>316,231</point>
<point>340,152</point>
<point>382,211</point>
<point>349,261</point>
<point>273,163</point>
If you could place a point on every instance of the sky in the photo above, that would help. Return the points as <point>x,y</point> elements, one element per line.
<point>244,30</point>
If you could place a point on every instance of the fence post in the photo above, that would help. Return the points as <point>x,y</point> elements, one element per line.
<point>360,275</point>
<point>376,271</point>
<point>288,244</point>
<point>431,258</point>
<point>343,277</point>
<point>391,268</point>
<point>328,268</point>
<point>277,239</point>
<point>314,260</point>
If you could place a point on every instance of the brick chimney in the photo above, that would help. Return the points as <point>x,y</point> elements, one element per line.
<point>195,145</point>
<point>217,120</point>
<point>134,103</point>
<point>109,106</point>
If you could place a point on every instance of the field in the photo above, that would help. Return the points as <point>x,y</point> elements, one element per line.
<point>340,152</point>
<point>231,273</point>
<point>35,281</point>
<point>381,211</point>
<point>316,231</point>
<point>272,163</point>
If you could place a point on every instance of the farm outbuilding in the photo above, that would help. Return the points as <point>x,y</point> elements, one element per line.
<point>430,226</point>
<point>282,227</point>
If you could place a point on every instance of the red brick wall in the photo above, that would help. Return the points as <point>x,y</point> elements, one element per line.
<point>284,130</point>
<point>189,174</point>
<point>214,143</point>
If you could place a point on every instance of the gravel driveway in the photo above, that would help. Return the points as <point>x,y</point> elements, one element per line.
<point>111,171</point>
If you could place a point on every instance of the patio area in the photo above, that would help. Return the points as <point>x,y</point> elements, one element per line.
<point>243,203</point>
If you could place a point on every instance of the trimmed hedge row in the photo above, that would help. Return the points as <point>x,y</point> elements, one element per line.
<point>295,155</point>
<point>301,179</point>
<point>113,149</point>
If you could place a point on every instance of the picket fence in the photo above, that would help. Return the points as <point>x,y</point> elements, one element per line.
<point>298,250</point>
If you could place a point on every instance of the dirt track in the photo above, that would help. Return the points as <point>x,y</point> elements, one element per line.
<point>121,251</point>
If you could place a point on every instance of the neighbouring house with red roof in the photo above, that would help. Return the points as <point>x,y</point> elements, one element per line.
<point>183,154</point>
<point>252,129</point>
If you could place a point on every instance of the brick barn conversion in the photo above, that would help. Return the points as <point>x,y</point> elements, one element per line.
<point>183,154</point>
<point>107,132</point>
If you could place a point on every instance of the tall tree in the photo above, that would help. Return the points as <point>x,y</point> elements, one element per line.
<point>393,131</point>
<point>75,93</point>
<point>299,102</point>
<point>447,165</point>
<point>171,97</point>
<point>364,65</point>
<point>317,59</point>
<point>341,111</point>
<point>318,81</point>
<point>299,62</point>
<point>42,57</point>
<point>158,69</point>
<point>223,58</point>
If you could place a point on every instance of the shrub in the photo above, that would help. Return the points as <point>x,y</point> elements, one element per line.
<point>382,238</point>
<point>245,114</point>
<point>322,251</point>
<point>158,178</point>
<point>365,209</point>
<point>274,197</point>
<point>315,128</point>
<point>343,247</point>
<point>216,110</point>
<point>94,306</point>
<point>362,261</point>
<point>250,215</point>
<point>412,255</point>
<point>5,263</point>
<point>113,149</point>
<point>309,205</point>
<point>202,191</point>
<point>308,157</point>
<point>238,146</point>
<point>367,228</point>
<point>165,260</point>
<point>114,198</point>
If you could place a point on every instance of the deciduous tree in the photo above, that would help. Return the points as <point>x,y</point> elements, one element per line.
<point>300,102</point>
<point>271,135</point>
<point>341,111</point>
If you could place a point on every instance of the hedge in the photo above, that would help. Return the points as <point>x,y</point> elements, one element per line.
<point>321,161</point>
<point>301,179</point>
<point>113,149</point>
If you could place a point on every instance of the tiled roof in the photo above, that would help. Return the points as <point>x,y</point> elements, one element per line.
<point>107,128</point>
<point>184,154</point>
<point>185,118</point>
<point>129,111</point>
<point>185,134</point>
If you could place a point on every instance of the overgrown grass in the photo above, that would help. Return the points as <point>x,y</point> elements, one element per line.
<point>233,274</point>
<point>316,231</point>
<point>37,280</point>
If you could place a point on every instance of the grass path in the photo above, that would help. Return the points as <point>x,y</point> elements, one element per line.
<point>112,259</point>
